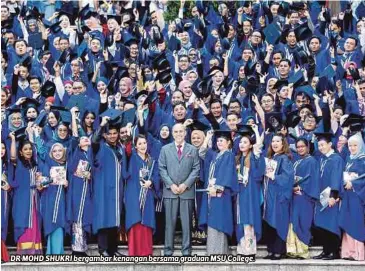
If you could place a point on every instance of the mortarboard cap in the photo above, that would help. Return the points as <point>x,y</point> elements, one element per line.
<point>158,60</point>
<point>355,122</point>
<point>273,121</point>
<point>251,84</point>
<point>300,57</point>
<point>20,134</point>
<point>129,116</point>
<point>150,98</point>
<point>280,83</point>
<point>84,11</point>
<point>48,89</point>
<point>306,89</point>
<point>113,114</point>
<point>128,39</point>
<point>201,89</point>
<point>250,67</point>
<point>272,33</point>
<point>27,62</point>
<point>297,79</point>
<point>13,110</point>
<point>328,72</point>
<point>30,102</point>
<point>227,134</point>
<point>140,93</point>
<point>67,14</point>
<point>117,18</point>
<point>77,100</point>
<point>341,102</point>
<point>198,125</point>
<point>41,120</point>
<point>164,77</point>
<point>292,119</point>
<point>64,57</point>
<point>58,108</point>
<point>214,69</point>
<point>302,32</point>
<point>324,136</point>
<point>245,130</point>
<point>66,117</point>
<point>7,25</point>
<point>55,28</point>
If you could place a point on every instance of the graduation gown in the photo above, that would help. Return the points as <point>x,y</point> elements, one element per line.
<point>352,211</point>
<point>7,171</point>
<point>278,194</point>
<point>139,202</point>
<point>302,206</point>
<point>22,212</point>
<point>218,213</point>
<point>109,172</point>
<point>79,197</point>
<point>331,172</point>
<point>249,197</point>
<point>53,202</point>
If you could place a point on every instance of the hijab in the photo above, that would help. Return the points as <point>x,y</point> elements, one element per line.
<point>357,138</point>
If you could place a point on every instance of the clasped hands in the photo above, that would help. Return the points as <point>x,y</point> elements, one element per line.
<point>178,189</point>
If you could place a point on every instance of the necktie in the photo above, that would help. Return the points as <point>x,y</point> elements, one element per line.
<point>179,152</point>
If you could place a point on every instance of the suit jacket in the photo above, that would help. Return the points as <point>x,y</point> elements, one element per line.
<point>178,171</point>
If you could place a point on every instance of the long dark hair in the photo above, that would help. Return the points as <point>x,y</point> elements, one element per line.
<point>26,163</point>
<point>285,150</point>
<point>141,136</point>
<point>83,124</point>
<point>248,157</point>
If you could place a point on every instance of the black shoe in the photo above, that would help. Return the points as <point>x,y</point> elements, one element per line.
<point>276,257</point>
<point>320,256</point>
<point>104,254</point>
<point>79,253</point>
<point>269,256</point>
<point>331,256</point>
<point>118,254</point>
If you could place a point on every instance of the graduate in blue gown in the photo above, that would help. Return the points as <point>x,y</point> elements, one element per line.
<point>305,193</point>
<point>26,201</point>
<point>251,169</point>
<point>53,199</point>
<point>79,197</point>
<point>139,199</point>
<point>352,212</point>
<point>217,209</point>
<point>6,182</point>
<point>109,173</point>
<point>278,185</point>
<point>326,219</point>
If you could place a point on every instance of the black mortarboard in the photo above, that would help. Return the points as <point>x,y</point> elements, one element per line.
<point>355,122</point>
<point>214,69</point>
<point>58,108</point>
<point>273,121</point>
<point>140,93</point>
<point>55,28</point>
<point>129,116</point>
<point>162,64</point>
<point>284,8</point>
<point>12,110</point>
<point>203,7</point>
<point>307,89</point>
<point>34,13</point>
<point>198,125</point>
<point>84,11</point>
<point>157,60</point>
<point>300,56</point>
<point>150,98</point>
<point>41,120</point>
<point>121,72</point>
<point>128,39</point>
<point>63,57</point>
<point>302,32</point>
<point>113,114</point>
<point>23,11</point>
<point>85,29</point>
<point>164,77</point>
<point>292,119</point>
<point>297,6</point>
<point>20,134</point>
<point>116,63</point>
<point>7,24</point>
<point>297,78</point>
<point>324,136</point>
<point>27,62</point>
<point>272,33</point>
<point>118,18</point>
<point>250,67</point>
<point>251,84</point>
<point>30,102</point>
<point>245,130</point>
<point>48,89</point>
<point>201,89</point>
<point>341,101</point>
<point>280,83</point>
<point>223,133</point>
<point>65,13</point>
<point>77,100</point>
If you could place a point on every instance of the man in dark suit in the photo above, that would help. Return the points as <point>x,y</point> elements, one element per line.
<point>179,167</point>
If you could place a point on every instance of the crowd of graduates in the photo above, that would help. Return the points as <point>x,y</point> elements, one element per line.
<point>271,95</point>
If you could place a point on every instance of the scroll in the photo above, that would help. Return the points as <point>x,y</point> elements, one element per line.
<point>271,165</point>
<point>324,197</point>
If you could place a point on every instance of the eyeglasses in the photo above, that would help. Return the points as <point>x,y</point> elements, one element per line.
<point>62,130</point>
<point>267,101</point>
<point>76,87</point>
